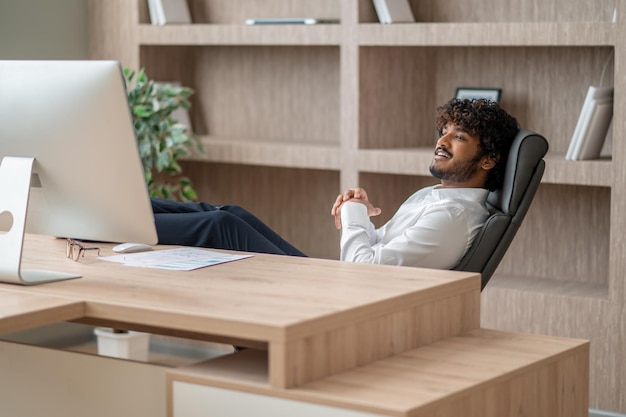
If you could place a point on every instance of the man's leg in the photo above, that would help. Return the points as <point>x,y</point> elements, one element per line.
<point>212,229</point>
<point>167,206</point>
<point>263,229</point>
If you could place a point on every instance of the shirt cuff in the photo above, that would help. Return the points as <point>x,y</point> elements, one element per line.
<point>354,214</point>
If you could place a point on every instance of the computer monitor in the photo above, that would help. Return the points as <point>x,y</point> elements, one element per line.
<point>70,163</point>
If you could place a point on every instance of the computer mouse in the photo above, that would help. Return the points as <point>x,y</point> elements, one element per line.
<point>131,247</point>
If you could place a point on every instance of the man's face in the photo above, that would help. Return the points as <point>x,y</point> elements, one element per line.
<point>457,161</point>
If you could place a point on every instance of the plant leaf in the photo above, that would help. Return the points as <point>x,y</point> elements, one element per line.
<point>161,140</point>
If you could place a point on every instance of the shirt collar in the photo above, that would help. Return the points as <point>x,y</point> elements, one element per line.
<point>475,194</point>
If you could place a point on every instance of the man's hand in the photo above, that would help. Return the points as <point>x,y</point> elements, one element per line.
<point>352,194</point>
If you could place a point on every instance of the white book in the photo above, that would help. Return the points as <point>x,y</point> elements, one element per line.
<point>154,14</point>
<point>393,11</point>
<point>583,119</point>
<point>595,135</point>
<point>171,12</point>
<point>594,96</point>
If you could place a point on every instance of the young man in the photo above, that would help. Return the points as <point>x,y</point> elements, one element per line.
<point>435,226</point>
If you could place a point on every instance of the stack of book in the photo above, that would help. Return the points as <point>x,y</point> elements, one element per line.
<point>164,12</point>
<point>593,125</point>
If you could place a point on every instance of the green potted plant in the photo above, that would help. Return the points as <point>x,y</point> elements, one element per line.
<point>161,139</point>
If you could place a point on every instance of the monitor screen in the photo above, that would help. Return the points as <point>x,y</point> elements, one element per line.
<point>87,180</point>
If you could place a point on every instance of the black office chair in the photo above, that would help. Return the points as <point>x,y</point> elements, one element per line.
<point>507,206</point>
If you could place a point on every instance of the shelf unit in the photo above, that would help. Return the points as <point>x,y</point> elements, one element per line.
<point>291,115</point>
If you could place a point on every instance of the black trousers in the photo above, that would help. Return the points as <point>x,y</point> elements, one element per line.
<point>219,227</point>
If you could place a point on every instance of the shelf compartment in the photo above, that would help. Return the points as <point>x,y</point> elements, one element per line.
<point>566,235</point>
<point>271,93</point>
<point>205,34</point>
<point>278,154</point>
<point>486,11</point>
<point>237,11</point>
<point>488,34</point>
<point>401,86</point>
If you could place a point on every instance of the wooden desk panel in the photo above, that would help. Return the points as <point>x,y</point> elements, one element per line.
<point>317,317</point>
<point>483,373</point>
<point>19,311</point>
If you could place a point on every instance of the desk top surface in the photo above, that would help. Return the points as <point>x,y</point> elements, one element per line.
<point>264,297</point>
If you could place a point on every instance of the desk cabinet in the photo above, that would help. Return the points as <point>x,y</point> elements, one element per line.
<point>317,109</point>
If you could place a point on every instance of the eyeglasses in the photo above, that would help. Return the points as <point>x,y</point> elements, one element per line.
<point>74,249</point>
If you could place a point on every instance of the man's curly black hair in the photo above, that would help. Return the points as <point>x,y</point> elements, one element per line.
<point>487,120</point>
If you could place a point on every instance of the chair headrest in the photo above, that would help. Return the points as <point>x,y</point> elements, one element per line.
<point>527,150</point>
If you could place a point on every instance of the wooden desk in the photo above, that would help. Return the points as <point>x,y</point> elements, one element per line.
<point>316,317</point>
<point>364,339</point>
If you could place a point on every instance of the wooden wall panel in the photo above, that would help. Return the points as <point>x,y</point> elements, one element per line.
<point>397,106</point>
<point>112,31</point>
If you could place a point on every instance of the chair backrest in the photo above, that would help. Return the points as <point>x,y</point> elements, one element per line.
<point>507,205</point>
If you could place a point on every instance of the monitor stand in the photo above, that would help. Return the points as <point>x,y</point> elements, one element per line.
<point>15,175</point>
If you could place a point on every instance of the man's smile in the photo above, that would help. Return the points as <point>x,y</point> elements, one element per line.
<point>442,153</point>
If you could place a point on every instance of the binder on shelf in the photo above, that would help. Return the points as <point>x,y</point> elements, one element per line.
<point>593,124</point>
<point>393,11</point>
<point>165,12</point>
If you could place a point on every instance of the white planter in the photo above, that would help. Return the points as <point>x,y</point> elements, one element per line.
<point>131,345</point>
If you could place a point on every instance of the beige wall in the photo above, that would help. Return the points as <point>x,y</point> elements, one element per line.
<point>43,29</point>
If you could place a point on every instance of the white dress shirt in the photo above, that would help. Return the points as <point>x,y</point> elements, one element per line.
<point>432,229</point>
